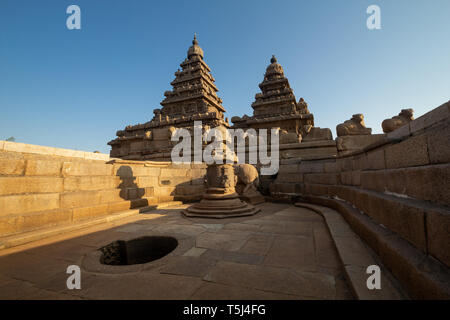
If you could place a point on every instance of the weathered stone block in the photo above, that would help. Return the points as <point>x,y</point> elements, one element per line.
<point>147,181</point>
<point>90,212</point>
<point>134,193</point>
<point>431,183</point>
<point>344,164</point>
<point>79,168</point>
<point>330,167</point>
<point>395,181</point>
<point>316,189</point>
<point>322,178</point>
<point>408,153</point>
<point>166,172</point>
<point>311,167</point>
<point>80,199</point>
<point>373,180</point>
<point>36,149</point>
<point>282,188</point>
<point>434,116</point>
<point>164,191</point>
<point>346,178</point>
<point>407,265</point>
<point>11,166</point>
<point>91,183</point>
<point>112,195</point>
<point>189,190</point>
<point>400,133</point>
<point>119,206</point>
<point>290,177</point>
<point>438,234</point>
<point>138,203</point>
<point>127,182</point>
<point>19,204</point>
<point>31,221</point>
<point>18,185</point>
<point>131,171</point>
<point>288,168</point>
<point>376,159</point>
<point>44,219</point>
<point>305,152</point>
<point>401,217</point>
<point>360,199</point>
<point>174,181</point>
<point>198,181</point>
<point>197,173</point>
<point>10,224</point>
<point>200,165</point>
<point>357,142</point>
<point>357,162</point>
<point>149,192</point>
<point>439,143</point>
<point>356,177</point>
<point>179,166</point>
<point>43,168</point>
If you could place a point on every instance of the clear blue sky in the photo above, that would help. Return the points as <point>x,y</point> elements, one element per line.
<point>75,88</point>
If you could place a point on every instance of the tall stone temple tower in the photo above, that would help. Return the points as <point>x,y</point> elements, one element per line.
<point>193,98</point>
<point>276,106</point>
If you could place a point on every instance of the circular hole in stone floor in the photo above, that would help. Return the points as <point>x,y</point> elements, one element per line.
<point>137,251</point>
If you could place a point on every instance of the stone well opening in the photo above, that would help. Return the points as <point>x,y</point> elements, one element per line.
<point>137,251</point>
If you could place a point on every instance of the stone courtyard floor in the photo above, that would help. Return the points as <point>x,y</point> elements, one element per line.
<point>282,252</point>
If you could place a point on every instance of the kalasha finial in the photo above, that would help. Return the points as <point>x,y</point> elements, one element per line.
<point>195,39</point>
<point>273,60</point>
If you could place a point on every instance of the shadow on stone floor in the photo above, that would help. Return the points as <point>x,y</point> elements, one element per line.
<point>279,241</point>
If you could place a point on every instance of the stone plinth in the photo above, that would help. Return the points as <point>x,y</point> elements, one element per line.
<point>347,144</point>
<point>220,199</point>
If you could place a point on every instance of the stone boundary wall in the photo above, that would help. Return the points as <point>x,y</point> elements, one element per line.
<point>9,146</point>
<point>402,182</point>
<point>39,190</point>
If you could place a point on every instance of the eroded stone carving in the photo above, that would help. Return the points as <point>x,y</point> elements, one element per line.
<point>276,106</point>
<point>289,137</point>
<point>354,126</point>
<point>193,97</point>
<point>404,117</point>
<point>221,199</point>
<point>247,183</point>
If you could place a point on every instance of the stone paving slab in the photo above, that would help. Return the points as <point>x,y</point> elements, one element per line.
<point>226,292</point>
<point>356,256</point>
<point>283,252</point>
<point>292,252</point>
<point>278,280</point>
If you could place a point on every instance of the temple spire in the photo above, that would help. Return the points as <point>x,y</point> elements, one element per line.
<point>195,42</point>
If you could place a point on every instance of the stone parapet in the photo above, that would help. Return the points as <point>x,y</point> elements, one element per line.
<point>40,187</point>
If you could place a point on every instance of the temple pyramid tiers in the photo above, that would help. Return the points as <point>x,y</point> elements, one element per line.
<point>193,98</point>
<point>277,107</point>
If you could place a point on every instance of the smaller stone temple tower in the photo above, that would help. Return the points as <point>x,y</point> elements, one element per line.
<point>276,105</point>
<point>193,98</point>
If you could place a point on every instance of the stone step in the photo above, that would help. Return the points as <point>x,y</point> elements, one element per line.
<point>356,256</point>
<point>167,204</point>
<point>26,237</point>
<point>421,275</point>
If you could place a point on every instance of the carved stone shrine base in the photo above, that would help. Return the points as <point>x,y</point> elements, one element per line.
<point>216,203</point>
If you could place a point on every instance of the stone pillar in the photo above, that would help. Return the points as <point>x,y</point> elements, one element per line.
<point>220,199</point>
